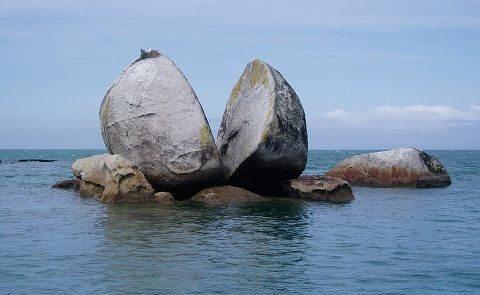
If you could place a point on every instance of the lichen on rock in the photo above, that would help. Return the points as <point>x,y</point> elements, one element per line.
<point>263,137</point>
<point>152,116</point>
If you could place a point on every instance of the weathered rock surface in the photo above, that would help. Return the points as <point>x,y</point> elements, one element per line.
<point>263,135</point>
<point>403,167</point>
<point>69,184</point>
<point>152,116</point>
<point>164,198</point>
<point>112,179</point>
<point>318,188</point>
<point>225,195</point>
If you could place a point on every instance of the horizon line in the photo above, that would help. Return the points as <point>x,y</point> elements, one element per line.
<point>314,149</point>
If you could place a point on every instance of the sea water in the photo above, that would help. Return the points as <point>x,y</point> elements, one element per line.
<point>387,241</point>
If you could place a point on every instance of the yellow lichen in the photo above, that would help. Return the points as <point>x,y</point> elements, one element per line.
<point>205,135</point>
<point>267,124</point>
<point>259,73</point>
<point>235,92</point>
<point>265,133</point>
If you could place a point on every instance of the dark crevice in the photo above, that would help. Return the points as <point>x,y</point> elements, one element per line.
<point>261,180</point>
<point>224,147</point>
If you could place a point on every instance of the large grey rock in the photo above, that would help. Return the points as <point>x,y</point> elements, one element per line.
<point>152,116</point>
<point>408,167</point>
<point>318,188</point>
<point>263,135</point>
<point>112,179</point>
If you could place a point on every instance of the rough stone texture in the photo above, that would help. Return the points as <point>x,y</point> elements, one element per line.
<point>403,167</point>
<point>263,135</point>
<point>225,195</point>
<point>90,169</point>
<point>69,184</point>
<point>164,198</point>
<point>152,116</point>
<point>318,188</point>
<point>112,179</point>
<point>90,189</point>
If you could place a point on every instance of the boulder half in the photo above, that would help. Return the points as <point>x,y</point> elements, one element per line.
<point>263,135</point>
<point>152,116</point>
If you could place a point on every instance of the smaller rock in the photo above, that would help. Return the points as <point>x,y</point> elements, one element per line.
<point>164,198</point>
<point>403,167</point>
<point>69,184</point>
<point>112,179</point>
<point>225,195</point>
<point>318,188</point>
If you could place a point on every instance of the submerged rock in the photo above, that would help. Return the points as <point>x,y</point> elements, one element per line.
<point>318,188</point>
<point>112,179</point>
<point>36,160</point>
<point>164,198</point>
<point>263,135</point>
<point>225,195</point>
<point>403,167</point>
<point>69,184</point>
<point>152,116</point>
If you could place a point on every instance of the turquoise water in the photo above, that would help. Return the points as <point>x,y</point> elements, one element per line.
<point>387,241</point>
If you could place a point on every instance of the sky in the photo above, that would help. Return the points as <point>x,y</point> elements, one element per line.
<point>370,74</point>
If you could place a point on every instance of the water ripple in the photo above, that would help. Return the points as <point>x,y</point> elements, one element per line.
<point>388,241</point>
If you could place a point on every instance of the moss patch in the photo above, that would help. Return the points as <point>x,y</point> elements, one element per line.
<point>235,92</point>
<point>205,133</point>
<point>265,133</point>
<point>259,73</point>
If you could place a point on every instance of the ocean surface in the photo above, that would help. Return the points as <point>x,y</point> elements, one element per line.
<point>387,241</point>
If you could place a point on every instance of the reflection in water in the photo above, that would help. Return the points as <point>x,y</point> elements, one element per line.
<point>185,245</point>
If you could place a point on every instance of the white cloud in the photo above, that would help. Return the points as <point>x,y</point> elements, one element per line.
<point>321,14</point>
<point>399,117</point>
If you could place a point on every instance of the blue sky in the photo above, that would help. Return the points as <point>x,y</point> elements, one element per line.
<point>370,74</point>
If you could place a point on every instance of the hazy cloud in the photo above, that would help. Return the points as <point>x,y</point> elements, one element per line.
<point>399,117</point>
<point>323,14</point>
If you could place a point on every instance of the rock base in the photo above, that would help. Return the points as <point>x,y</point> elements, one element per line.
<point>318,188</point>
<point>112,179</point>
<point>225,195</point>
<point>163,198</point>
<point>69,184</point>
